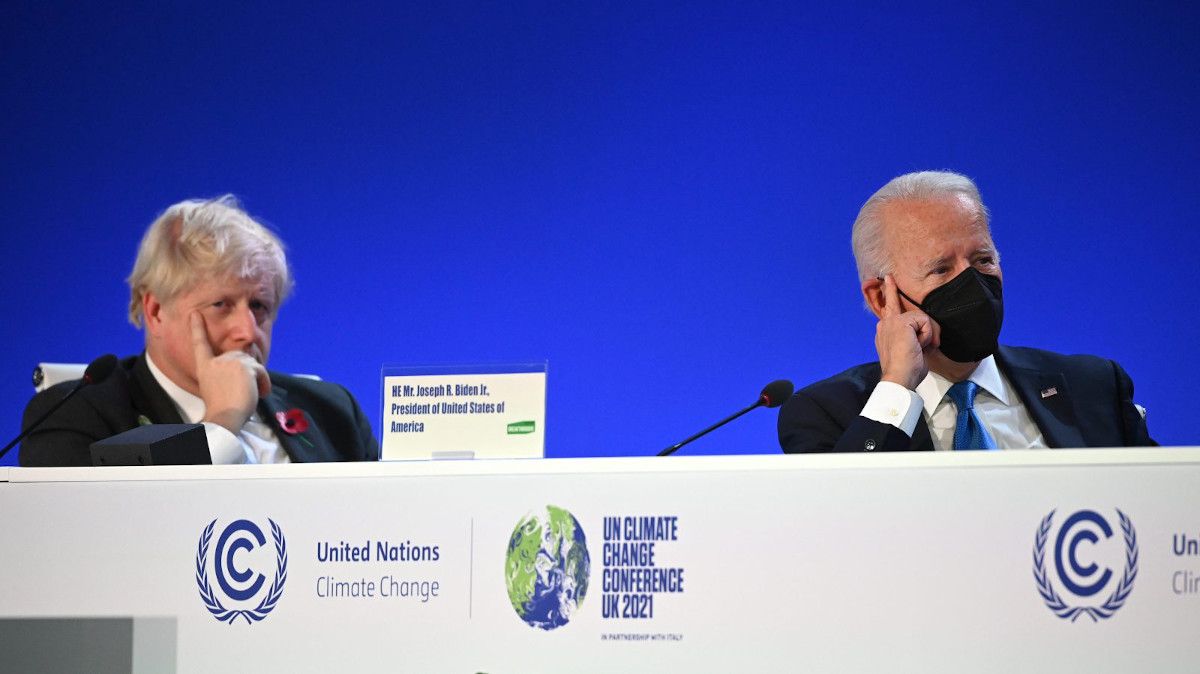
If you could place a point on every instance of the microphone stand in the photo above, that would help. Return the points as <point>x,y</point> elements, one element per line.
<point>97,371</point>
<point>762,400</point>
<point>52,410</point>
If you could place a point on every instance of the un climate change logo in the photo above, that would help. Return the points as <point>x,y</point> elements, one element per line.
<point>1082,540</point>
<point>546,569</point>
<point>235,573</point>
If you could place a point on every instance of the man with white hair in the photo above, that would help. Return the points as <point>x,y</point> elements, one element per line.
<point>206,287</point>
<point>930,273</point>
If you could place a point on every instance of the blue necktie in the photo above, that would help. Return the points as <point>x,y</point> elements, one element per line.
<point>969,433</point>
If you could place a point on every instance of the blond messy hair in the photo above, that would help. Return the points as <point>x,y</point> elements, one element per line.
<point>202,239</point>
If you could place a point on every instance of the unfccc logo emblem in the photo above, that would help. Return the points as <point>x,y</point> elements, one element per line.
<point>1085,550</point>
<point>237,560</point>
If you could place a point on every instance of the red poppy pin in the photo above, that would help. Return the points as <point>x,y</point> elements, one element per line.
<point>293,422</point>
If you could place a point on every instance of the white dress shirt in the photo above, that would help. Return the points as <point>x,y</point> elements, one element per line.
<point>996,404</point>
<point>256,443</point>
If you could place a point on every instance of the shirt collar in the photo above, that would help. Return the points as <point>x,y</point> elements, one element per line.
<point>191,408</point>
<point>933,387</point>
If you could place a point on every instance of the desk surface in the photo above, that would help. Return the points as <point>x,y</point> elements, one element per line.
<point>649,464</point>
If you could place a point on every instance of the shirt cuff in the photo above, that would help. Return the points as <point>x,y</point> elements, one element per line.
<point>224,447</point>
<point>892,404</point>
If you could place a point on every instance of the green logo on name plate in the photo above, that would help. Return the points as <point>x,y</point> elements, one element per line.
<point>520,428</point>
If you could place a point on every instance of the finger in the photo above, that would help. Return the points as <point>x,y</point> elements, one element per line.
<point>891,297</point>
<point>262,379</point>
<point>924,327</point>
<point>254,369</point>
<point>200,343</point>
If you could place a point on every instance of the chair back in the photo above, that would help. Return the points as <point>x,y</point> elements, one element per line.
<point>46,375</point>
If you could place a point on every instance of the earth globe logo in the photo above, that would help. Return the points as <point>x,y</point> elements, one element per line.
<point>546,569</point>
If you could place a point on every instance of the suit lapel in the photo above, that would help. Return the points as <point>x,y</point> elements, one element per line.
<point>1047,398</point>
<point>149,399</point>
<point>306,447</point>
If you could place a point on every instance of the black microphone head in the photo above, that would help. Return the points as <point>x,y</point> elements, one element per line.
<point>775,393</point>
<point>99,369</point>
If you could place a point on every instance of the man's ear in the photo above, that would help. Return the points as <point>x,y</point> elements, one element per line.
<point>872,290</point>
<point>152,313</point>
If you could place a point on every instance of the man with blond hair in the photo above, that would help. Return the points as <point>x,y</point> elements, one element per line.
<point>930,273</point>
<point>206,287</point>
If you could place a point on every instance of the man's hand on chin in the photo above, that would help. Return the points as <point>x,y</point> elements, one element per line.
<point>904,339</point>
<point>230,384</point>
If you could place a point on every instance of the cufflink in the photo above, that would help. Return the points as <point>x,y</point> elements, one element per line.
<point>869,445</point>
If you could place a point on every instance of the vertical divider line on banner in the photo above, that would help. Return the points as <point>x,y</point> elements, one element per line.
<point>471,575</point>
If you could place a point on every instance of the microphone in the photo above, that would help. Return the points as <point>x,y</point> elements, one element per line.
<point>776,393</point>
<point>773,395</point>
<point>97,371</point>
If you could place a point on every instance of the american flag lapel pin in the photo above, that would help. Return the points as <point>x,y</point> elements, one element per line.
<point>1047,392</point>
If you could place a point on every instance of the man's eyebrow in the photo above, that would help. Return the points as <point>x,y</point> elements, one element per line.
<point>941,261</point>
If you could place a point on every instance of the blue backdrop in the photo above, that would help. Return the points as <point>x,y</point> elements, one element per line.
<point>654,197</point>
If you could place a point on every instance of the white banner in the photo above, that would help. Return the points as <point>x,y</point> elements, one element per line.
<point>1083,560</point>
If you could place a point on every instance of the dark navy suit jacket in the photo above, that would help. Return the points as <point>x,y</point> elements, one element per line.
<point>338,430</point>
<point>1092,406</point>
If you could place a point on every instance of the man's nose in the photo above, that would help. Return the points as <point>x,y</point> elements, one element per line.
<point>242,326</point>
<point>960,265</point>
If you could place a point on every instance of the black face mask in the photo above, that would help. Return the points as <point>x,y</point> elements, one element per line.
<point>969,309</point>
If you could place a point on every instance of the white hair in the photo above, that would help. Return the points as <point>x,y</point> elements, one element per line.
<point>201,239</point>
<point>867,238</point>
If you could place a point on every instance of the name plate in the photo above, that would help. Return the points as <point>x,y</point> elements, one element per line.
<point>479,411</point>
